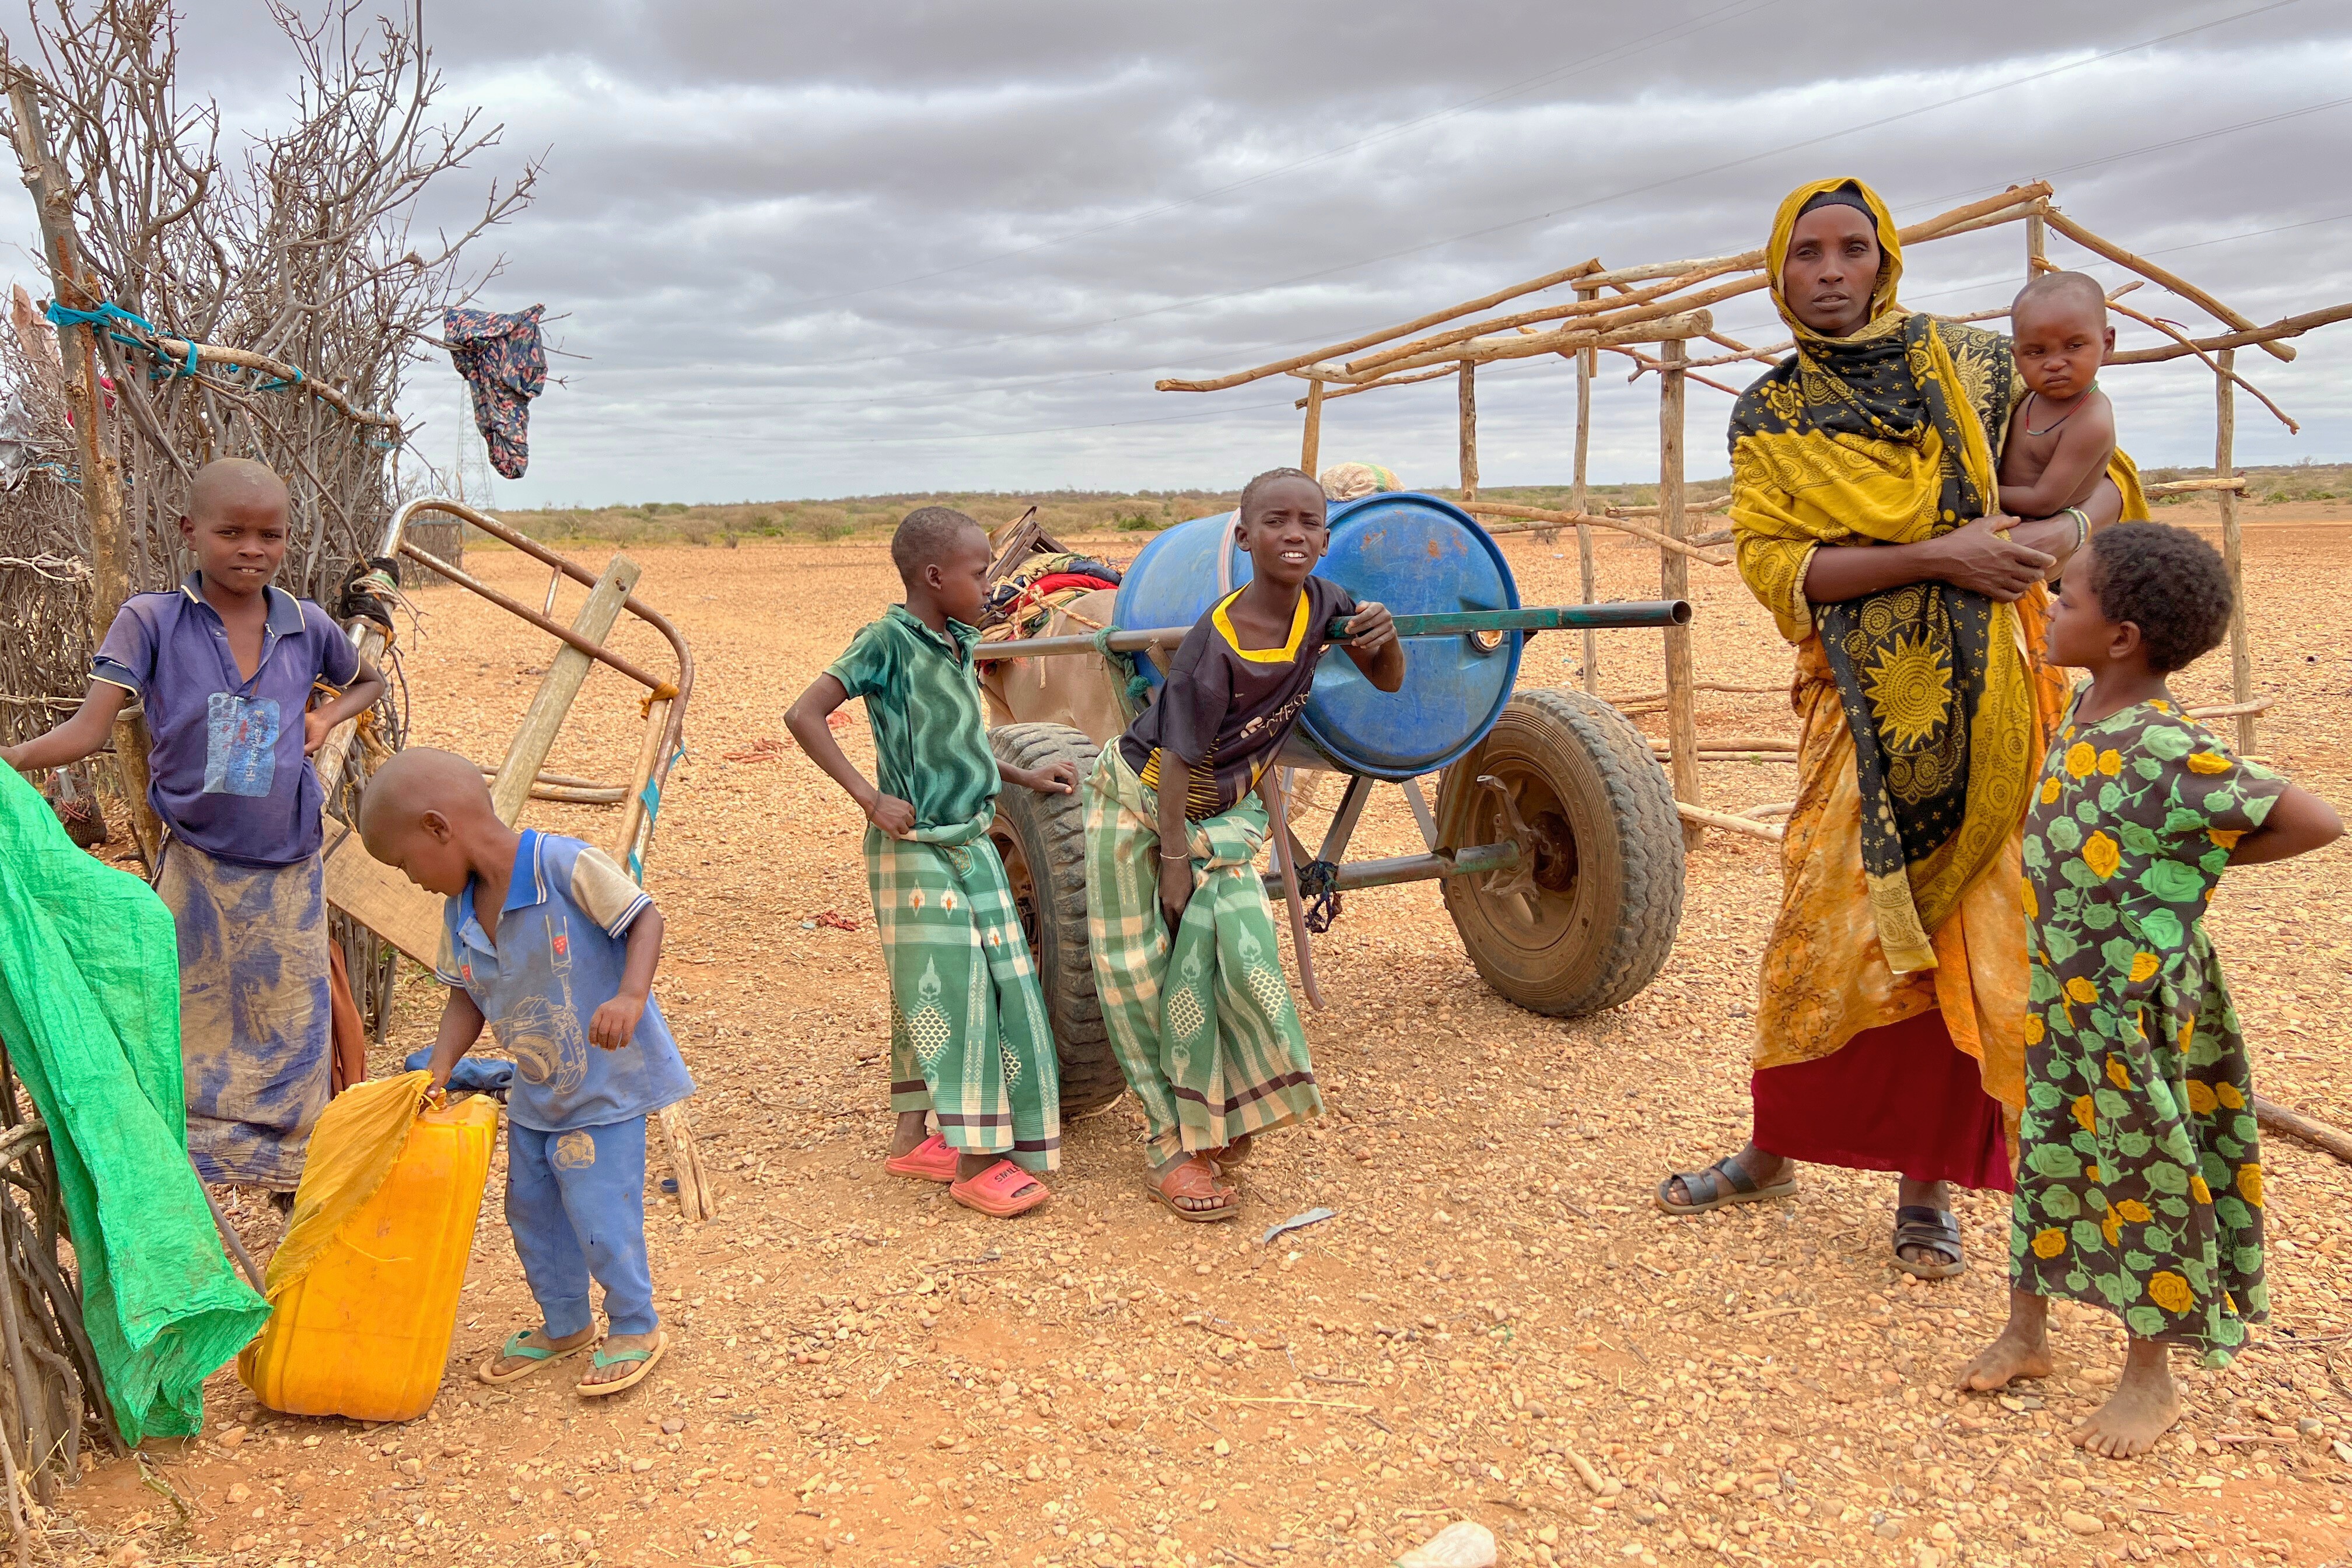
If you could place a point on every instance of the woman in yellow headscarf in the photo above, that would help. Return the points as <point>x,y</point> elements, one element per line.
<point>1890,1028</point>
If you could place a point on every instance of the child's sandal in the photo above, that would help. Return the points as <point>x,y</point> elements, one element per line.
<point>643,1358</point>
<point>996,1192</point>
<point>929,1160</point>
<point>535,1358</point>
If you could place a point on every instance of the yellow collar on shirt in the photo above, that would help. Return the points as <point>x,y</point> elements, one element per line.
<point>1286,654</point>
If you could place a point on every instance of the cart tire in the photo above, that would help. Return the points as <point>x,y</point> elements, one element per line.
<point>1608,893</point>
<point>1042,841</point>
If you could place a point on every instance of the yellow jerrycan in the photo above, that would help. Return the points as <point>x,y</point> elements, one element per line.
<point>363,1289</point>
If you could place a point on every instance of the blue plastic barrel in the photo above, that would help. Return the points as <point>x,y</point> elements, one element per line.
<point>1416,554</point>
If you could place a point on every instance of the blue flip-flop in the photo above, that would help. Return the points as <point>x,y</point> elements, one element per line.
<point>643,1358</point>
<point>537,1358</point>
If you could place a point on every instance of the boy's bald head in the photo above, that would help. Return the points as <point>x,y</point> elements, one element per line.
<point>235,484</point>
<point>427,814</point>
<point>416,781</point>
<point>2057,293</point>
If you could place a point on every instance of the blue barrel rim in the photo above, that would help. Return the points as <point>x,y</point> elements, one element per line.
<point>1313,728</point>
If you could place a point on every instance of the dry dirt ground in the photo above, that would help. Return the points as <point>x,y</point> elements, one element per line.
<point>1497,1325</point>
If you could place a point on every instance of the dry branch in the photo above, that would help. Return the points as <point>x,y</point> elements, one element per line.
<point>1645,324</point>
<point>2158,275</point>
<point>2273,1117</point>
<point>2177,336</point>
<point>1540,518</point>
<point>1484,303</point>
<point>2289,327</point>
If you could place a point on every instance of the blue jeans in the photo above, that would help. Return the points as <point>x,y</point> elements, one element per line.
<point>576,1205</point>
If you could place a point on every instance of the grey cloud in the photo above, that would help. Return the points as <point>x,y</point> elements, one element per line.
<point>782,232</point>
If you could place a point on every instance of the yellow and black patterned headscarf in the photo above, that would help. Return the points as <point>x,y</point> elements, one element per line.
<point>1886,437</point>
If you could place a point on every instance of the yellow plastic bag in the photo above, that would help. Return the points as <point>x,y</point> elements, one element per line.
<point>363,1289</point>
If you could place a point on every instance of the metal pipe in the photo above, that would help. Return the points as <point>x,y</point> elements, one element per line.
<point>675,733</point>
<point>1397,869</point>
<point>524,611</point>
<point>1533,618</point>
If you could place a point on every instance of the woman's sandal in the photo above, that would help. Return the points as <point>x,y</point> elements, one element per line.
<point>1195,1177</point>
<point>1233,1154</point>
<point>536,1359</point>
<point>1725,1183</point>
<point>996,1192</point>
<point>929,1160</point>
<point>643,1358</point>
<point>1938,1230</point>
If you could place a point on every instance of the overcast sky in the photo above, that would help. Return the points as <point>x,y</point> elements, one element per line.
<point>815,250</point>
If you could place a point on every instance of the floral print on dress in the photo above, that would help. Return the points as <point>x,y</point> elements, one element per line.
<point>505,362</point>
<point>2140,1184</point>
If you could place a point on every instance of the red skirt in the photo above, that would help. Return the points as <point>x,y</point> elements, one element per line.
<point>1898,1097</point>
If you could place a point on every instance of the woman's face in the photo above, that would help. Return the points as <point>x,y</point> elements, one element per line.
<point>1831,267</point>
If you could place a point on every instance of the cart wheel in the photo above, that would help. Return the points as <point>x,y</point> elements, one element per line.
<point>1042,841</point>
<point>1591,921</point>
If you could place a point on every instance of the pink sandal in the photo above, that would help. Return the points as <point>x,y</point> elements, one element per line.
<point>992,1192</point>
<point>929,1161</point>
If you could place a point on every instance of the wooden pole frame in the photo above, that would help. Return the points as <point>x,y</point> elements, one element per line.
<point>2225,441</point>
<point>73,286</point>
<point>1588,361</point>
<point>1674,582</point>
<point>1466,401</point>
<point>1310,440</point>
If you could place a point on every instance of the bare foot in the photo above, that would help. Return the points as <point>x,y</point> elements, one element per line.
<point>507,1365</point>
<point>2020,1352</point>
<point>2144,1405</point>
<point>908,1134</point>
<point>614,1345</point>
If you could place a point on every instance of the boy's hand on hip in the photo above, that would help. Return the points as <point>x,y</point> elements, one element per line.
<point>316,727</point>
<point>1059,776</point>
<point>615,1023</point>
<point>892,815</point>
<point>1371,629</point>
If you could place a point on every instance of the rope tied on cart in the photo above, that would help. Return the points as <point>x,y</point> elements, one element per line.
<point>370,590</point>
<point>1319,883</point>
<point>1136,688</point>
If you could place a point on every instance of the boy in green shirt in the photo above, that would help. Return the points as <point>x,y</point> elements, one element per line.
<point>969,1035</point>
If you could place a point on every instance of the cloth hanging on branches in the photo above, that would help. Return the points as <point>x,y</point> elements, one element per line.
<point>503,360</point>
<point>90,1006</point>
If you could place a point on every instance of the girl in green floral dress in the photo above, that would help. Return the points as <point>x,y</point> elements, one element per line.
<point>2140,1185</point>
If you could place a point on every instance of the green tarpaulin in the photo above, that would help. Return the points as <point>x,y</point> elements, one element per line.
<point>90,1008</point>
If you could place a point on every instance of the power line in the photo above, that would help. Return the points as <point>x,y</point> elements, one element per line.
<point>1573,206</point>
<point>1593,62</point>
<point>1026,384</point>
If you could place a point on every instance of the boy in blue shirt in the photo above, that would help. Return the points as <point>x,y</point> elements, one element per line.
<point>225,666</point>
<point>551,944</point>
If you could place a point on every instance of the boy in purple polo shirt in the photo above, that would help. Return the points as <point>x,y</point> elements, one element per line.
<point>225,665</point>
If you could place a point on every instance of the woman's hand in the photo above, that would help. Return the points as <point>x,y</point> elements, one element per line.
<point>1175,889</point>
<point>1979,557</point>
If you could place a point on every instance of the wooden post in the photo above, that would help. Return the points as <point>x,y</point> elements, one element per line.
<point>1467,384</point>
<point>2225,441</point>
<point>1311,444</point>
<point>1587,363</point>
<point>2037,245</point>
<point>527,752</point>
<point>1674,582</point>
<point>101,477</point>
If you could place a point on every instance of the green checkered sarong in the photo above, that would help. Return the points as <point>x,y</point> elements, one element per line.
<point>1203,1028</point>
<point>969,1035</point>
